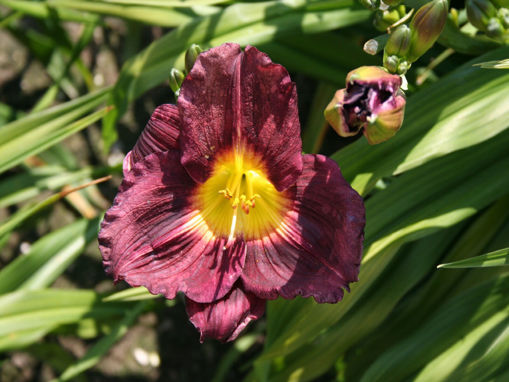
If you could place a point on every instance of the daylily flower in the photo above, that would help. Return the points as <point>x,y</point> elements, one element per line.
<point>372,101</point>
<point>219,203</point>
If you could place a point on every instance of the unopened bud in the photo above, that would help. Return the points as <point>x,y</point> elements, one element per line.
<point>479,13</point>
<point>371,101</point>
<point>399,41</point>
<point>391,63</point>
<point>503,16</point>
<point>191,55</point>
<point>426,26</point>
<point>454,17</point>
<point>494,28</point>
<point>176,79</point>
<point>384,19</point>
<point>396,50</point>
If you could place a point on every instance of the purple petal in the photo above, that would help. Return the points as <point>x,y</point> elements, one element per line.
<point>153,236</point>
<point>318,247</point>
<point>226,318</point>
<point>160,134</point>
<point>233,98</point>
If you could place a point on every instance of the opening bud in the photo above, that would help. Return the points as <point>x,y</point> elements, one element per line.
<point>371,101</point>
<point>426,26</point>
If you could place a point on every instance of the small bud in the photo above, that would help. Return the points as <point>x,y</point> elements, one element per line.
<point>191,55</point>
<point>494,28</point>
<point>454,17</point>
<point>479,13</point>
<point>426,26</point>
<point>176,79</point>
<point>396,50</point>
<point>384,19</point>
<point>372,100</point>
<point>399,41</point>
<point>503,16</point>
<point>371,47</point>
<point>391,63</point>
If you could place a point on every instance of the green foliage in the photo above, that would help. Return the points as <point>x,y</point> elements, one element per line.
<point>436,193</point>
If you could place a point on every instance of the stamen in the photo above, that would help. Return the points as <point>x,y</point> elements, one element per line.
<point>231,237</point>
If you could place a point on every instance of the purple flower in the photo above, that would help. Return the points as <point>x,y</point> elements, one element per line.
<point>371,101</point>
<point>219,203</point>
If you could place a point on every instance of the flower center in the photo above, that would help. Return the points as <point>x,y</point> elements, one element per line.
<point>238,200</point>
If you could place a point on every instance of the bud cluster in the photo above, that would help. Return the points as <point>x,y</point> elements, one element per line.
<point>385,18</point>
<point>407,43</point>
<point>490,17</point>
<point>177,76</point>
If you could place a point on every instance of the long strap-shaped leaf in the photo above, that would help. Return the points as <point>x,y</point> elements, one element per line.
<point>38,131</point>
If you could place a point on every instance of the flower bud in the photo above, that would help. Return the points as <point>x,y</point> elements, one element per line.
<point>372,100</point>
<point>503,16</point>
<point>399,41</point>
<point>191,55</point>
<point>176,79</point>
<point>479,13</point>
<point>384,19</point>
<point>494,28</point>
<point>426,26</point>
<point>396,49</point>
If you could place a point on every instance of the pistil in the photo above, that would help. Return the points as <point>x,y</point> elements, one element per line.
<point>240,191</point>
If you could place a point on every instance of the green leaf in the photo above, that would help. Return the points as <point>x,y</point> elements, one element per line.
<point>28,211</point>
<point>94,354</point>
<point>499,64</point>
<point>167,3</point>
<point>162,16</point>
<point>439,333</point>
<point>375,320</point>
<point>131,294</point>
<point>492,259</point>
<point>20,187</point>
<point>41,10</point>
<point>48,257</point>
<point>36,132</point>
<point>407,268</point>
<point>478,355</point>
<point>28,315</point>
